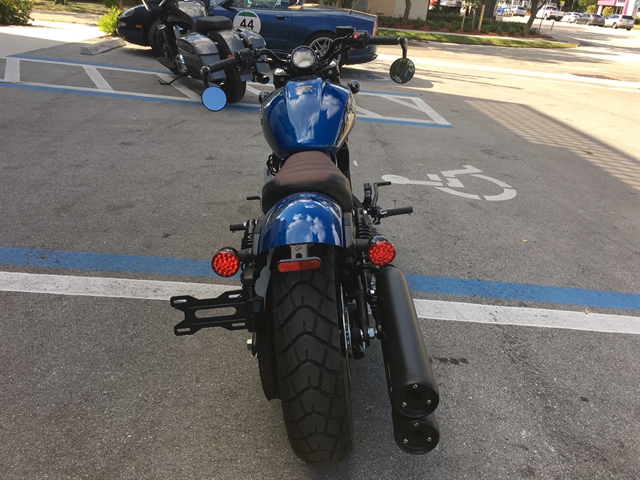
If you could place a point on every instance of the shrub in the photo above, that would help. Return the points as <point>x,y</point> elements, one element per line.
<point>15,12</point>
<point>592,9</point>
<point>606,11</point>
<point>513,28</point>
<point>417,23</point>
<point>108,22</point>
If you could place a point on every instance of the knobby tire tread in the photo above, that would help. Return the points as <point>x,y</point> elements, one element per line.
<point>311,371</point>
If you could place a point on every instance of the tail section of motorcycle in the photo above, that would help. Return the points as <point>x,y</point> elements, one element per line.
<point>307,305</point>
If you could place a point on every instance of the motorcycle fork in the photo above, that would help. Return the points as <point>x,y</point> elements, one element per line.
<point>169,39</point>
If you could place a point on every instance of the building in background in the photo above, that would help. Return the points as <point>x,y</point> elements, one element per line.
<point>623,7</point>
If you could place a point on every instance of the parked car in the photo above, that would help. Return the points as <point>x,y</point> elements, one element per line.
<point>284,25</point>
<point>591,19</point>
<point>571,17</point>
<point>550,13</point>
<point>514,11</point>
<point>619,21</point>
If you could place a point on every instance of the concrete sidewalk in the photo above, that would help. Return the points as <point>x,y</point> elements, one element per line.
<point>49,29</point>
<point>64,17</point>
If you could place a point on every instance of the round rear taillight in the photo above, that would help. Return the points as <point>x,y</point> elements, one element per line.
<point>226,262</point>
<point>381,252</point>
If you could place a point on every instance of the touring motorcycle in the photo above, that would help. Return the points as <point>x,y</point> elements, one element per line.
<point>317,280</point>
<point>187,40</point>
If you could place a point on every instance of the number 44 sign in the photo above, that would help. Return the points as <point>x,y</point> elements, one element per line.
<point>248,20</point>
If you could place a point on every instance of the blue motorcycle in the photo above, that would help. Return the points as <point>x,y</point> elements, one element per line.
<point>318,284</point>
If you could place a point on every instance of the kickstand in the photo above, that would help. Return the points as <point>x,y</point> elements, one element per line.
<point>169,83</point>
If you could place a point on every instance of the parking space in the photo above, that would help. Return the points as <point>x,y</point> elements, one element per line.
<point>147,84</point>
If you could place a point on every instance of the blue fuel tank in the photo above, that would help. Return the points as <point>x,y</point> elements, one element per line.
<point>310,114</point>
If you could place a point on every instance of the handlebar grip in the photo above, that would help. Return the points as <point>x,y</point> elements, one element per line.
<point>222,65</point>
<point>237,227</point>
<point>396,211</point>
<point>381,40</point>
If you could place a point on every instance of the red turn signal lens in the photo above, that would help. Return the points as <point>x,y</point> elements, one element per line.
<point>381,252</point>
<point>226,262</point>
<point>295,265</point>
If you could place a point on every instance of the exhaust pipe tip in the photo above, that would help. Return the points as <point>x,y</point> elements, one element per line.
<point>416,399</point>
<point>416,436</point>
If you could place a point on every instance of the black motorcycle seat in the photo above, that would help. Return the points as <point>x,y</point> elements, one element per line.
<point>308,172</point>
<point>205,25</point>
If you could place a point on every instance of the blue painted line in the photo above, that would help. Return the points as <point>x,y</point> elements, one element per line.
<point>524,292</point>
<point>239,106</point>
<point>403,122</point>
<point>418,283</point>
<point>123,96</point>
<point>104,262</point>
<point>392,94</point>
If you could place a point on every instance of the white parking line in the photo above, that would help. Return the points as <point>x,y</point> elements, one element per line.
<point>431,309</point>
<point>12,70</point>
<point>97,79</point>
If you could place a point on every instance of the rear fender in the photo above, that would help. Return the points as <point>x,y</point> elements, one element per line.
<point>302,218</point>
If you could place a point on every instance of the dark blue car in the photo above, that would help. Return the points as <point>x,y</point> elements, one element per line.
<point>284,25</point>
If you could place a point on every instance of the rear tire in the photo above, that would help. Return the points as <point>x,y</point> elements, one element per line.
<point>234,89</point>
<point>312,369</point>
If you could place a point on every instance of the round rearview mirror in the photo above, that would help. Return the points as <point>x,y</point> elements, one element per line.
<point>402,70</point>
<point>214,99</point>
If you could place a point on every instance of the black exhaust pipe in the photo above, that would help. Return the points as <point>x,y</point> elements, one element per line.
<point>412,388</point>
<point>415,435</point>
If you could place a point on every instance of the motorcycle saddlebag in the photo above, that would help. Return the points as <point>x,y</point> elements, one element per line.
<point>198,50</point>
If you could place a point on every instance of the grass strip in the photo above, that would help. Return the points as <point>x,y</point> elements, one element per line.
<point>473,40</point>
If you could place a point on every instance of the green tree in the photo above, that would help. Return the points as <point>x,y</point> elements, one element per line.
<point>585,4</point>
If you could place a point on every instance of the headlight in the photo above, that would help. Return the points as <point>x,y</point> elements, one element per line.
<point>127,13</point>
<point>303,57</point>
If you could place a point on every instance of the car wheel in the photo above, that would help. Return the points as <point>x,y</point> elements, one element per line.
<point>321,41</point>
<point>615,26</point>
<point>152,38</point>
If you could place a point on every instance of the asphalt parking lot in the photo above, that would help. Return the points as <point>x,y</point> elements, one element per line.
<point>522,254</point>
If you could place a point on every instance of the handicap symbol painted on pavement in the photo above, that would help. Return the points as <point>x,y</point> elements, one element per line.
<point>451,183</point>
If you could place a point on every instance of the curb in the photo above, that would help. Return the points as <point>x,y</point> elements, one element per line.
<point>101,47</point>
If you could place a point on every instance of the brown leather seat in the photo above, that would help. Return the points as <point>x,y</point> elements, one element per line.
<point>308,172</point>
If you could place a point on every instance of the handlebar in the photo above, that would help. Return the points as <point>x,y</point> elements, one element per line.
<point>395,211</point>
<point>221,65</point>
<point>379,40</point>
<point>248,56</point>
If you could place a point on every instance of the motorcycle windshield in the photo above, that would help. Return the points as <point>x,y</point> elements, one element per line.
<point>188,10</point>
<point>308,115</point>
